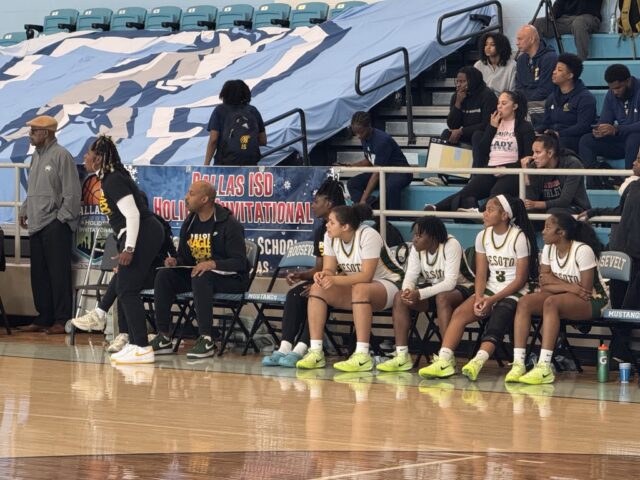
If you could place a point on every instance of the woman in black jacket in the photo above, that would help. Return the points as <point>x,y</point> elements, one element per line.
<point>471,106</point>
<point>506,140</point>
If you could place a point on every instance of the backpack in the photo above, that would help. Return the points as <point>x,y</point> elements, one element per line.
<point>629,20</point>
<point>394,237</point>
<point>239,139</point>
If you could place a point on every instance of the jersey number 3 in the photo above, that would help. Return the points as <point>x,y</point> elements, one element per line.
<point>501,276</point>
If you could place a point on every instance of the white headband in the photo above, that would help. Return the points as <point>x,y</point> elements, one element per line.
<point>505,205</point>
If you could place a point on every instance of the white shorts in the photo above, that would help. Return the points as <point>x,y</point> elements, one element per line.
<point>391,289</point>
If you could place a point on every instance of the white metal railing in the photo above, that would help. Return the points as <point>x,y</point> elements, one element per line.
<point>521,172</point>
<point>16,205</point>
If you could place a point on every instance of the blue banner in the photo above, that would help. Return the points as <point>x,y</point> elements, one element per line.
<point>273,204</point>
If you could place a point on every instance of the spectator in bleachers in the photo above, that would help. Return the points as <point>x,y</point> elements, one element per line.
<point>471,107</point>
<point>570,110</point>
<point>381,150</point>
<point>212,248</point>
<point>294,316</point>
<point>624,238</point>
<point>535,66</point>
<point>617,134</point>
<point>577,17</point>
<point>50,214</point>
<point>236,129</point>
<point>554,193</point>
<point>438,258</point>
<point>496,65</point>
<point>506,140</point>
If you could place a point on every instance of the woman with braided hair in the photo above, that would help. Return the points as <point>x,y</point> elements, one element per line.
<point>140,236</point>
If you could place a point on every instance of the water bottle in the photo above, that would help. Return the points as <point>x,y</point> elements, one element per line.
<point>613,23</point>
<point>603,363</point>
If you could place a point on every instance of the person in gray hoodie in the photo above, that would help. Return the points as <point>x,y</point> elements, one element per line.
<point>50,213</point>
<point>554,193</point>
<point>570,110</point>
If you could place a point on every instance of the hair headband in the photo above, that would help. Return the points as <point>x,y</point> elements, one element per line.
<point>505,205</point>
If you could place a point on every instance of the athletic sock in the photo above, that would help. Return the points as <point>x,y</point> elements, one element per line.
<point>285,347</point>
<point>546,356</point>
<point>481,356</point>
<point>519,354</point>
<point>101,313</point>
<point>400,350</point>
<point>301,348</point>
<point>445,354</point>
<point>316,345</point>
<point>362,347</point>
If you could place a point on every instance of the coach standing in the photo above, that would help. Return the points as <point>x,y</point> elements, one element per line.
<point>50,213</point>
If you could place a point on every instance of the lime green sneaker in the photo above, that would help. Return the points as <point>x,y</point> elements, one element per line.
<point>358,362</point>
<point>439,368</point>
<point>313,359</point>
<point>517,370</point>
<point>472,369</point>
<point>400,363</point>
<point>539,375</point>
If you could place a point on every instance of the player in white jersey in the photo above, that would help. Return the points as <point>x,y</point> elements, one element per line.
<point>570,288</point>
<point>369,283</point>
<point>436,258</point>
<point>506,260</point>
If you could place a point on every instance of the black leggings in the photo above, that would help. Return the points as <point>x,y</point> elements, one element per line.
<point>479,188</point>
<point>170,282</point>
<point>500,321</point>
<point>294,317</point>
<point>130,279</point>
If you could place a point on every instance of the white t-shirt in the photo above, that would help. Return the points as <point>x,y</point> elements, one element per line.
<point>366,244</point>
<point>440,270</point>
<point>503,252</point>
<point>504,146</point>
<point>580,258</point>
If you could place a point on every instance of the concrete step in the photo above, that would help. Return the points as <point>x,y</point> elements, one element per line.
<point>444,83</point>
<point>421,141</point>
<point>421,127</point>
<point>603,46</point>
<point>429,111</point>
<point>352,156</point>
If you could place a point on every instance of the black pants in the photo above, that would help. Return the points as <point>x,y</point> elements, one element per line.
<point>479,188</point>
<point>109,297</point>
<point>501,321</point>
<point>170,282</point>
<point>294,317</point>
<point>130,280</point>
<point>395,182</point>
<point>51,273</point>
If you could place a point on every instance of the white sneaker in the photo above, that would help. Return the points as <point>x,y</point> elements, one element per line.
<point>433,182</point>
<point>118,343</point>
<point>125,349</point>
<point>135,355</point>
<point>90,321</point>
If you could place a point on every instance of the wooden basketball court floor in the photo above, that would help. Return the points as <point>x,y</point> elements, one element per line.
<point>67,413</point>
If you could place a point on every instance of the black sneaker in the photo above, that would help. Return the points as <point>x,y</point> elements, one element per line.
<point>203,348</point>
<point>162,345</point>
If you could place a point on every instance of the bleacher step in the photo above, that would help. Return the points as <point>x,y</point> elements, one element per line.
<point>421,141</point>
<point>421,127</point>
<point>603,46</point>
<point>430,111</point>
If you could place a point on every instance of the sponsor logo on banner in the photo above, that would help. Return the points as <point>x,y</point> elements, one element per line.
<point>91,219</point>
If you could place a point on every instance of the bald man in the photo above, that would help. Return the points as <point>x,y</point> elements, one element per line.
<point>577,17</point>
<point>534,68</point>
<point>212,243</point>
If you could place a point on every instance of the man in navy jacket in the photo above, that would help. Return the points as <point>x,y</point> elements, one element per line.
<point>533,70</point>
<point>617,134</point>
<point>570,110</point>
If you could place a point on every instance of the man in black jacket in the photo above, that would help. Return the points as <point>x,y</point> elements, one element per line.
<point>577,17</point>
<point>211,259</point>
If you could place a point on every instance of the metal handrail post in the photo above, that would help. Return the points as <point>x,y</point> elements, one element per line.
<point>382,188</point>
<point>300,138</point>
<point>17,254</point>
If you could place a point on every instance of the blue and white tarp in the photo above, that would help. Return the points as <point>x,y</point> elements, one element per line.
<point>154,92</point>
<point>273,205</point>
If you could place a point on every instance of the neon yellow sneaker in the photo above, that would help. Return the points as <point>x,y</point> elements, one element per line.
<point>517,370</point>
<point>313,359</point>
<point>439,368</point>
<point>358,362</point>
<point>400,363</point>
<point>539,375</point>
<point>472,369</point>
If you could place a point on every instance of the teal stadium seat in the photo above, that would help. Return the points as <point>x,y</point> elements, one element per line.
<point>12,38</point>
<point>95,19</point>
<point>61,20</point>
<point>271,15</point>
<point>163,18</point>
<point>200,17</point>
<point>343,7</point>
<point>128,18</point>
<point>309,14</point>
<point>229,15</point>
